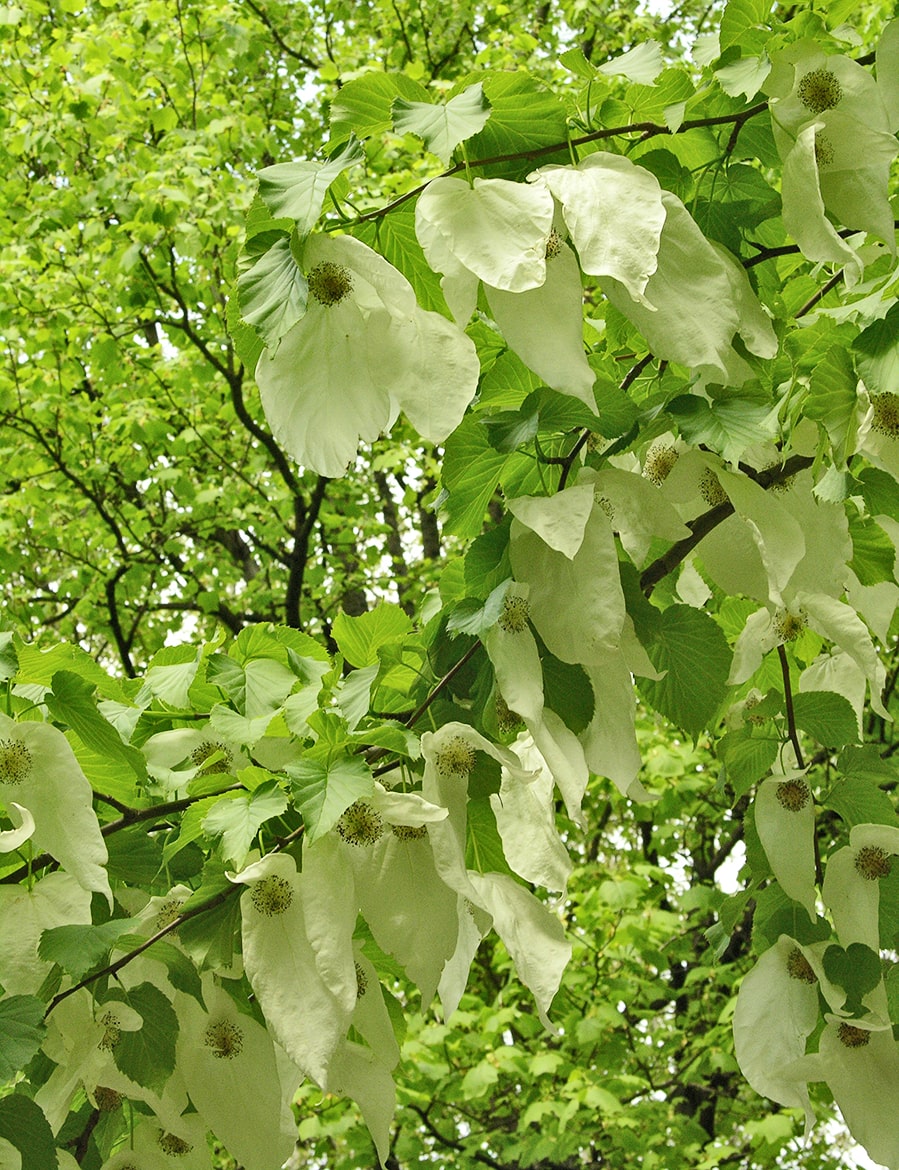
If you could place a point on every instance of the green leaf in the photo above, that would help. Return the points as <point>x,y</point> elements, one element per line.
<point>443,127</point>
<point>728,426</point>
<point>475,617</point>
<point>827,717</point>
<point>857,794</point>
<point>877,350</point>
<point>525,116</point>
<point>273,292</point>
<point>360,638</point>
<point>691,648</point>
<point>483,846</point>
<point>23,1125</point>
<point>323,790</point>
<point>746,758</point>
<point>487,561</point>
<point>296,190</point>
<point>740,15</point>
<point>393,236</point>
<point>873,553</point>
<point>364,105</point>
<point>238,820</point>
<point>39,666</point>
<point>856,969</point>
<point>833,399</point>
<point>567,691</point>
<point>77,949</point>
<point>510,429</point>
<point>135,856</point>
<point>471,472</point>
<point>72,703</point>
<point>880,491</point>
<point>148,1054</point>
<point>183,975</point>
<point>22,1032</point>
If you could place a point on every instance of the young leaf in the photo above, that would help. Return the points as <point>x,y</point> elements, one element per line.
<point>442,128</point>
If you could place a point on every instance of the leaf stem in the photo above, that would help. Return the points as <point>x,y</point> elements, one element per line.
<point>788,696</point>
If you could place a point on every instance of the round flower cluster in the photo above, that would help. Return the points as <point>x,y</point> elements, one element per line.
<point>798,967</point>
<point>360,824</point>
<point>167,913</point>
<point>711,490</point>
<point>886,414</point>
<point>361,981</point>
<point>210,748</point>
<point>872,862</point>
<point>788,625</point>
<point>108,1100</point>
<point>329,283</point>
<point>272,895</point>
<point>853,1037</point>
<point>224,1039</point>
<point>553,245</point>
<point>793,795</point>
<point>409,832</point>
<point>455,758</point>
<point>111,1033</point>
<point>514,616</point>
<point>172,1145</point>
<point>15,761</point>
<point>819,90</point>
<point>659,462</point>
<point>507,720</point>
<point>824,151</point>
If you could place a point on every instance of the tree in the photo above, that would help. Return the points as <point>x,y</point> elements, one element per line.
<point>618,336</point>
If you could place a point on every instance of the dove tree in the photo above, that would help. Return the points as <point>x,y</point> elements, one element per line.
<point>636,317</point>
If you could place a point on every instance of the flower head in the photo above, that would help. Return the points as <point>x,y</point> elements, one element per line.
<point>362,352</point>
<point>15,761</point>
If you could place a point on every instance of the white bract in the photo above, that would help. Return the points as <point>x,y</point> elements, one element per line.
<point>362,352</point>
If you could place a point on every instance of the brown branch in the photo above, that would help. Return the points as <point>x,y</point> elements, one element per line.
<point>788,696</point>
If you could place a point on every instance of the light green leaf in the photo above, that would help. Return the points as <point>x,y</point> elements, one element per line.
<point>22,1031</point>
<point>79,948</point>
<point>363,105</point>
<point>877,351</point>
<point>39,666</point>
<point>72,703</point>
<point>296,190</point>
<point>273,292</point>
<point>360,638</point>
<point>147,1055</point>
<point>238,820</point>
<point>746,759</point>
<point>833,399</point>
<point>443,127</point>
<point>642,64</point>
<point>728,425</point>
<point>323,790</point>
<point>738,17</point>
<point>690,647</point>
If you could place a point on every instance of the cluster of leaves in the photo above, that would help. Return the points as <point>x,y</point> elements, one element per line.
<point>233,867</point>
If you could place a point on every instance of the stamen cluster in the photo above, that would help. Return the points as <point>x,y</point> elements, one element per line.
<point>659,462</point>
<point>455,758</point>
<point>886,414</point>
<point>515,612</point>
<point>272,895</point>
<point>798,967</point>
<point>172,1145</point>
<point>15,761</point>
<point>819,90</point>
<point>710,488</point>
<point>793,795</point>
<point>210,748</point>
<point>224,1039</point>
<point>409,832</point>
<point>329,283</point>
<point>873,863</point>
<point>360,824</point>
<point>852,1037</point>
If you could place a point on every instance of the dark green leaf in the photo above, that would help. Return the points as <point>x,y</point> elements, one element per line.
<point>691,648</point>
<point>826,717</point>
<point>148,1054</point>
<point>22,1032</point>
<point>79,948</point>
<point>24,1126</point>
<point>567,691</point>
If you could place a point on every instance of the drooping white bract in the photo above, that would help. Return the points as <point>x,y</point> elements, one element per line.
<point>851,887</point>
<point>11,839</point>
<point>176,757</point>
<point>494,230</point>
<point>182,1142</point>
<point>362,352</point>
<point>308,1018</point>
<point>533,936</point>
<point>785,821</point>
<point>638,512</point>
<point>228,1063</point>
<point>565,552</point>
<point>501,233</point>
<point>776,1012</point>
<point>526,820</point>
<point>833,132</point>
<point>859,1060</point>
<point>615,214</point>
<point>56,900</point>
<point>38,768</point>
<point>701,299</point>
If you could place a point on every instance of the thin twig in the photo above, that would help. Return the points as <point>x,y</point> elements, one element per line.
<point>788,695</point>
